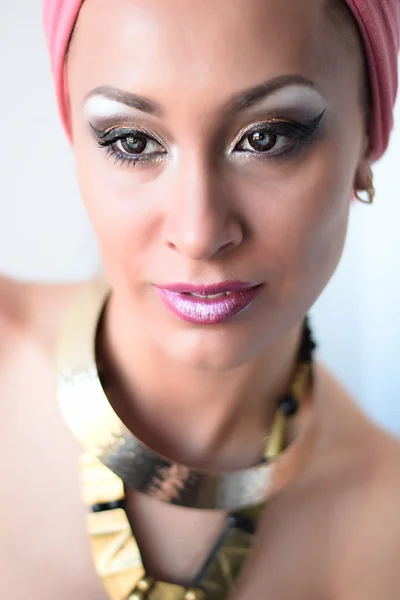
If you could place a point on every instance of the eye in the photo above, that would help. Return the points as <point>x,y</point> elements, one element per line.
<point>261,141</point>
<point>277,138</point>
<point>137,144</point>
<point>129,145</point>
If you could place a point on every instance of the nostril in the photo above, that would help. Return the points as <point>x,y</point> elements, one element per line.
<point>228,247</point>
<point>171,246</point>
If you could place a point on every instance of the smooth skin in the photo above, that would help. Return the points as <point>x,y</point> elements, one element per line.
<point>204,207</point>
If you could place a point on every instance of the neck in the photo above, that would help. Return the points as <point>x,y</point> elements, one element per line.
<point>199,418</point>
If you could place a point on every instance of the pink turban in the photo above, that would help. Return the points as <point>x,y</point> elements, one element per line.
<point>378,20</point>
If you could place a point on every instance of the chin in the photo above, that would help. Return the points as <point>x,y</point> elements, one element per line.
<point>213,348</point>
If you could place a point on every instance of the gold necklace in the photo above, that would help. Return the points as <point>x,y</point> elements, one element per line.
<point>113,456</point>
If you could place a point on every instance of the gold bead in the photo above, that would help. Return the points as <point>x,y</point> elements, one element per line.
<point>144,585</point>
<point>135,596</point>
<point>193,595</point>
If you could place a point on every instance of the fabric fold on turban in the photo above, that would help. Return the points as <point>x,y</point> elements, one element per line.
<point>378,21</point>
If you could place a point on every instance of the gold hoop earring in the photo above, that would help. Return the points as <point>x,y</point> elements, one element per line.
<point>369,192</point>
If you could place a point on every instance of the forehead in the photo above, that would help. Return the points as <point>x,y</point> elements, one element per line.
<point>158,47</point>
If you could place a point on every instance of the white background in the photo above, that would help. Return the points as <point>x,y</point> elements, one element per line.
<point>44,234</point>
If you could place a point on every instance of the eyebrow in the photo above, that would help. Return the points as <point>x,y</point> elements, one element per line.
<point>240,101</point>
<point>130,99</point>
<point>247,98</point>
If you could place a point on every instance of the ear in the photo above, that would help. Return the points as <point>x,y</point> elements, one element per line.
<point>363,175</point>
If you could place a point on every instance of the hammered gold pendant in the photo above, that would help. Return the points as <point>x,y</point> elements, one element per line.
<point>116,555</point>
<point>118,562</point>
<point>118,559</point>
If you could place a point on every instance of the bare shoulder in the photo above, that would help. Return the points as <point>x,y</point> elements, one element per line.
<point>374,451</point>
<point>42,514</point>
<point>348,420</point>
<point>33,310</point>
<point>367,514</point>
<point>369,565</point>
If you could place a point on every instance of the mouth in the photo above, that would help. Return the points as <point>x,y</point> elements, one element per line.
<point>209,304</point>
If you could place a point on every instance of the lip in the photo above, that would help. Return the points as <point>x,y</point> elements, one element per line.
<point>208,311</point>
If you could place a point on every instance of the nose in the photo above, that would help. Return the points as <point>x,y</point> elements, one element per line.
<point>200,221</point>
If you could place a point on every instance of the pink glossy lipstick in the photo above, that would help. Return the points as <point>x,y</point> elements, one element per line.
<point>208,304</point>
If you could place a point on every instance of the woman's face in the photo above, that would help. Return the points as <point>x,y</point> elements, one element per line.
<point>216,142</point>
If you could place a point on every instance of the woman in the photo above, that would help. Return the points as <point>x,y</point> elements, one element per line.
<point>218,146</point>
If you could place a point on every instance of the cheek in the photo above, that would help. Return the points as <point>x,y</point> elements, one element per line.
<point>300,221</point>
<point>121,207</point>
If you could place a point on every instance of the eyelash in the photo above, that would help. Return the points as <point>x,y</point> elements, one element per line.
<point>299,134</point>
<point>108,139</point>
